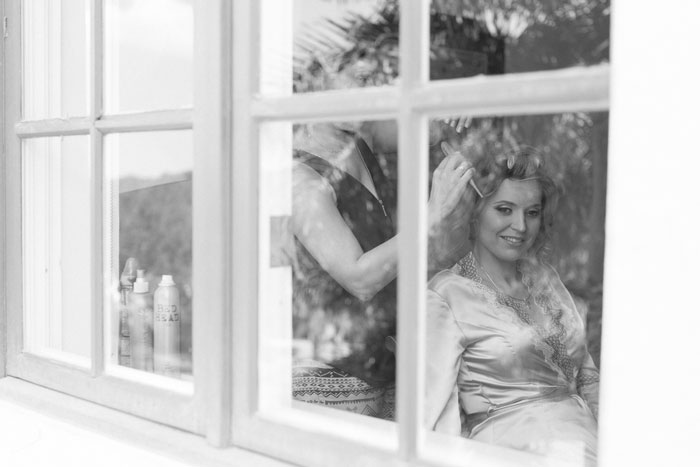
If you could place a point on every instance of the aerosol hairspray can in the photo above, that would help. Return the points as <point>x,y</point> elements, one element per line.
<point>167,328</point>
<point>141,324</point>
<point>126,286</point>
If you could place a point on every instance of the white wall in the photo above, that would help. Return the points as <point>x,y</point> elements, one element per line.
<point>651,329</point>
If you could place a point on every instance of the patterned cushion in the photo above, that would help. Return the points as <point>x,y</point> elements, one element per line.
<point>318,383</point>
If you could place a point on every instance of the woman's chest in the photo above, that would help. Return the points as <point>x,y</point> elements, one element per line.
<point>507,346</point>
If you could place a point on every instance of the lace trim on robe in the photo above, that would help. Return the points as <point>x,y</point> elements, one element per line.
<point>550,340</point>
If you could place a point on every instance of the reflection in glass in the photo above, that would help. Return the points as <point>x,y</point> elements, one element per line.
<point>341,244</point>
<point>150,178</point>
<point>331,205</point>
<point>355,44</point>
<point>472,37</point>
<point>148,55</point>
<point>341,45</point>
<point>56,220</point>
<point>54,59</point>
<point>513,329</point>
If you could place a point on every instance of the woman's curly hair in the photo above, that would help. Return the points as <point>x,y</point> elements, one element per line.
<point>522,163</point>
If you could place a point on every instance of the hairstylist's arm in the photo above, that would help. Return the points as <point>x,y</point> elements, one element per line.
<point>321,229</point>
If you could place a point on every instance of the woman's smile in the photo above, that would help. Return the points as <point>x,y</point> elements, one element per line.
<point>513,240</point>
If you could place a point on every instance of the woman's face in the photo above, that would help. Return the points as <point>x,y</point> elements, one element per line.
<point>510,221</point>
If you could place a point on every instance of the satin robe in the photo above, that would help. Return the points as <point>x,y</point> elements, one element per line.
<point>495,378</point>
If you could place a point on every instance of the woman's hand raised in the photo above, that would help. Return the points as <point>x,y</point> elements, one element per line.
<point>449,211</point>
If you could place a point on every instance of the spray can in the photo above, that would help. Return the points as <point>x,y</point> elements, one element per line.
<point>126,286</point>
<point>141,324</point>
<point>167,328</point>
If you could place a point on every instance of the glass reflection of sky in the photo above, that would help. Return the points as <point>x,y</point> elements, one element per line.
<point>148,55</point>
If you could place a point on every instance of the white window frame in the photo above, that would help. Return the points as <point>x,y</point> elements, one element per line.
<point>3,216</point>
<point>635,428</point>
<point>336,435</point>
<point>198,407</point>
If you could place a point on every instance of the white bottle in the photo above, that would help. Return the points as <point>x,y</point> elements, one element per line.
<point>126,286</point>
<point>141,324</point>
<point>166,330</point>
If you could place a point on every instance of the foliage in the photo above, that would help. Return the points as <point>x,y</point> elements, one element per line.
<point>155,227</point>
<point>513,35</point>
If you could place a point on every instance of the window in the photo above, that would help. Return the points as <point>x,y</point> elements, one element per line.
<point>106,175</point>
<point>82,140</point>
<point>275,108</point>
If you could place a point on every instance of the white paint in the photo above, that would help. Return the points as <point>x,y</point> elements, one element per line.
<point>67,431</point>
<point>32,439</point>
<point>650,366</point>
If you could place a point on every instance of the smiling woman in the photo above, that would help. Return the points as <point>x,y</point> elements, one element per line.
<point>508,362</point>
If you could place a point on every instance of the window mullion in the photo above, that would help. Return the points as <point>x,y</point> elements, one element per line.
<point>572,89</point>
<point>378,103</point>
<point>3,156</point>
<point>96,152</point>
<point>13,188</point>
<point>246,27</point>
<point>154,120</point>
<point>413,169</point>
<point>211,219</point>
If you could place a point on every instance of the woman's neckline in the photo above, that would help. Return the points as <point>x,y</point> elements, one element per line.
<point>487,279</point>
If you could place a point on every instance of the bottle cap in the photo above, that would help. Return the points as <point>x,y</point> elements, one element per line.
<point>141,285</point>
<point>166,281</point>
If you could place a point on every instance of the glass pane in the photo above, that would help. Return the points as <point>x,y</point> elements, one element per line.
<point>514,310</point>
<point>340,44</point>
<point>56,219</point>
<point>474,37</point>
<point>149,185</point>
<point>55,59</point>
<point>148,55</point>
<point>329,262</point>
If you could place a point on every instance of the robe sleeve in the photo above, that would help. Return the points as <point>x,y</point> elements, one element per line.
<point>587,383</point>
<point>444,348</point>
<point>588,377</point>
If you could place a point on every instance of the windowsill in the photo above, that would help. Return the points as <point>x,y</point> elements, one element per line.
<point>44,427</point>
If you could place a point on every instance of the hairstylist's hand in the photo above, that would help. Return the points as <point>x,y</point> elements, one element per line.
<point>459,123</point>
<point>449,211</point>
<point>450,184</point>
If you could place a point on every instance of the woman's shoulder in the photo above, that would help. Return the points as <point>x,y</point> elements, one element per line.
<point>447,281</point>
<point>442,279</point>
<point>308,180</point>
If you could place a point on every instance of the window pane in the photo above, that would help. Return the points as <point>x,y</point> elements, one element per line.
<point>328,288</point>
<point>473,37</point>
<point>148,55</point>
<point>56,246</point>
<point>54,58</point>
<point>515,301</point>
<point>340,44</point>
<point>149,181</point>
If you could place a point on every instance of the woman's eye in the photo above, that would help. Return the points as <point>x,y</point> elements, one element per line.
<point>503,209</point>
<point>534,213</point>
